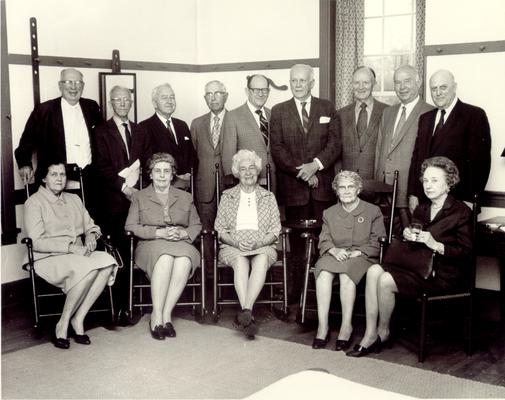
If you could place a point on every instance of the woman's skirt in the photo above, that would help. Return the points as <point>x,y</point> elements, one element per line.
<point>67,270</point>
<point>148,252</point>
<point>228,254</point>
<point>354,267</point>
<point>410,283</point>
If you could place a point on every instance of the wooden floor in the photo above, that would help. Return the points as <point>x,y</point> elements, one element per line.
<point>487,364</point>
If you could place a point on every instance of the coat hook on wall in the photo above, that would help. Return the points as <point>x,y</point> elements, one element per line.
<point>116,62</point>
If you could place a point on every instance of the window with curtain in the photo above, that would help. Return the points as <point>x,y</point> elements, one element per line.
<point>390,39</point>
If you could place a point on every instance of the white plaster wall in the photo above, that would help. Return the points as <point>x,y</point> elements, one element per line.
<point>464,21</point>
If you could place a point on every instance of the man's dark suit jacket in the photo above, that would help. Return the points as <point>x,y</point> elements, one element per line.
<point>44,133</point>
<point>291,147</point>
<point>358,157</point>
<point>110,157</point>
<point>465,139</point>
<point>163,141</point>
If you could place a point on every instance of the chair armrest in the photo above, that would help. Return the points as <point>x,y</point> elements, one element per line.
<point>27,241</point>
<point>308,235</point>
<point>29,246</point>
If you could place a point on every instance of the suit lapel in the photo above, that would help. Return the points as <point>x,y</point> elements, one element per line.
<point>295,116</point>
<point>314,113</point>
<point>58,122</point>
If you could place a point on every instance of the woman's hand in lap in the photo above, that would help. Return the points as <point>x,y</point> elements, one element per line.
<point>339,254</point>
<point>79,250</point>
<point>246,245</point>
<point>90,242</point>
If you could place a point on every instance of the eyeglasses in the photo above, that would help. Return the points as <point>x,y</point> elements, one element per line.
<point>72,83</point>
<point>257,91</point>
<point>121,100</point>
<point>208,95</point>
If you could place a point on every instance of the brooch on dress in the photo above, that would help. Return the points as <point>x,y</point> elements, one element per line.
<point>361,220</point>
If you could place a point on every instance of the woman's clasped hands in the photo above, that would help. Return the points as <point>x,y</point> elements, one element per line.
<point>420,237</point>
<point>343,254</point>
<point>172,233</point>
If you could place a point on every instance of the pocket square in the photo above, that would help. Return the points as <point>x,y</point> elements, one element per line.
<point>324,120</point>
<point>186,138</point>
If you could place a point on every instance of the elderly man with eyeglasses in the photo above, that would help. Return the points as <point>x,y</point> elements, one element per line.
<point>119,144</point>
<point>171,135</point>
<point>248,127</point>
<point>207,137</point>
<point>61,129</point>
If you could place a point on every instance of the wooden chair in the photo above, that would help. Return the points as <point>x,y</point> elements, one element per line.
<point>44,292</point>
<point>224,292</point>
<point>462,297</point>
<point>385,198</point>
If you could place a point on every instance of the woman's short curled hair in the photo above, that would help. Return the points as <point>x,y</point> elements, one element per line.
<point>446,165</point>
<point>161,157</point>
<point>350,175</point>
<point>245,155</point>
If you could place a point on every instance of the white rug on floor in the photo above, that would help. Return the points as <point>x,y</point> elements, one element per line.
<point>204,361</point>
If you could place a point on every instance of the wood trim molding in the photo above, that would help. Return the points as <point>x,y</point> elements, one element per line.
<point>327,20</point>
<point>493,199</point>
<point>464,48</point>
<point>77,62</point>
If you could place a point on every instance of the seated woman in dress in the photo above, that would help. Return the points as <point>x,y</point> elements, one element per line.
<point>248,225</point>
<point>55,221</point>
<point>348,246</point>
<point>165,220</point>
<point>446,230</point>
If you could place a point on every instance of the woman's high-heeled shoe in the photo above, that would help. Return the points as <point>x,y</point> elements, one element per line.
<point>158,332</point>
<point>60,343</point>
<point>361,351</point>
<point>341,345</point>
<point>321,343</point>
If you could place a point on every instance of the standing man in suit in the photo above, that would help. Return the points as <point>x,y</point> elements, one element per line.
<point>359,124</point>
<point>171,135</point>
<point>118,144</point>
<point>207,137</point>
<point>305,142</point>
<point>397,136</point>
<point>456,130</point>
<point>248,127</point>
<point>61,129</point>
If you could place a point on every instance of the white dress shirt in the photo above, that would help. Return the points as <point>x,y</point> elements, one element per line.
<point>77,146</point>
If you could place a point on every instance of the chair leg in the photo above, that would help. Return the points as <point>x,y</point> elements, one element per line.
<point>303,297</point>
<point>111,300</point>
<point>469,348</point>
<point>422,334</point>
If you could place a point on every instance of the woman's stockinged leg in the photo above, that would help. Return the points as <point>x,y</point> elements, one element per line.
<point>259,268</point>
<point>241,278</point>
<point>72,301</point>
<point>160,280</point>
<point>347,298</point>
<point>324,284</point>
<point>178,280</point>
<point>90,297</point>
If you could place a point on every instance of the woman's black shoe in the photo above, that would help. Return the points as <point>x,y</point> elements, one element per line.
<point>341,345</point>
<point>82,339</point>
<point>169,330</point>
<point>321,343</point>
<point>158,332</point>
<point>251,330</point>
<point>361,351</point>
<point>61,343</point>
<point>244,317</point>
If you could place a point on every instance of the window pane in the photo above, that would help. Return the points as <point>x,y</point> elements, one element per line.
<point>397,34</point>
<point>397,7</point>
<point>376,64</point>
<point>373,36</point>
<point>390,64</point>
<point>373,8</point>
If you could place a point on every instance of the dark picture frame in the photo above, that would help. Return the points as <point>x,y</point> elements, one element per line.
<point>106,81</point>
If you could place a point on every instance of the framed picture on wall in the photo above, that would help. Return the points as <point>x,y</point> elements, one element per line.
<point>107,80</point>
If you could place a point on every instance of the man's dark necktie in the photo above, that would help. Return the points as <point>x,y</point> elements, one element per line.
<point>440,123</point>
<point>169,127</point>
<point>263,126</point>
<point>128,137</point>
<point>305,117</point>
<point>362,122</point>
